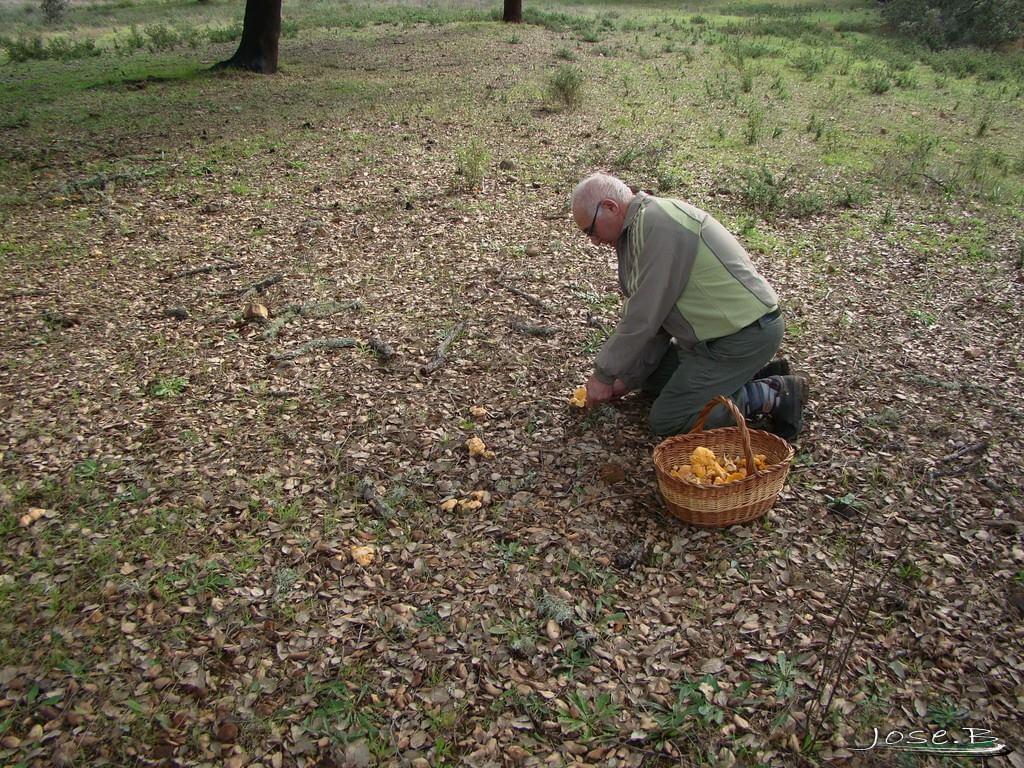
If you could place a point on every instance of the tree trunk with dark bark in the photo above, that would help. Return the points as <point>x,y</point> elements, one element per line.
<point>257,52</point>
<point>513,11</point>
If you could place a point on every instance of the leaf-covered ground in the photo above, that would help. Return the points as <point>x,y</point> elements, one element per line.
<point>243,558</point>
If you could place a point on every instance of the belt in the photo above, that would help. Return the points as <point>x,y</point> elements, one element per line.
<point>773,315</point>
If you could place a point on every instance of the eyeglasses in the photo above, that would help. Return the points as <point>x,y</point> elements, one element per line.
<point>593,222</point>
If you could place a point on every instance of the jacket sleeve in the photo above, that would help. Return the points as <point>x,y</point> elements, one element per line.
<point>664,258</point>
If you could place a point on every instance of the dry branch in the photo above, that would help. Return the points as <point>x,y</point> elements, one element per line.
<point>369,495</point>
<point>534,330</point>
<point>1004,526</point>
<point>841,661</point>
<point>529,297</point>
<point>318,309</point>
<point>314,346</point>
<point>595,322</point>
<point>257,287</point>
<point>384,350</point>
<point>201,271</point>
<point>976,450</point>
<point>440,357</point>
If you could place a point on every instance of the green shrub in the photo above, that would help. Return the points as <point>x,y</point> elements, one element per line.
<point>132,41</point>
<point>945,23</point>
<point>752,129</point>
<point>905,79</point>
<point>34,48</point>
<point>471,162</point>
<point>228,34</point>
<point>810,62</point>
<point>566,86</point>
<point>53,10</point>
<point>866,25</point>
<point>964,62</point>
<point>193,36</point>
<point>816,126</point>
<point>24,48</point>
<point>746,80</point>
<point>161,37</point>
<point>66,48</point>
<point>762,191</point>
<point>852,196</point>
<point>877,78</point>
<point>803,204</point>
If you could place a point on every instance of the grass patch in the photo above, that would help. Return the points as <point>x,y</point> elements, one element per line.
<point>565,86</point>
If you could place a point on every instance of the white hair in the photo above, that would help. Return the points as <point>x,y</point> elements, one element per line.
<point>599,186</point>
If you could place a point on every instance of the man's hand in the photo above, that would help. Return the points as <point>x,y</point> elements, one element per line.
<point>598,392</point>
<point>619,389</point>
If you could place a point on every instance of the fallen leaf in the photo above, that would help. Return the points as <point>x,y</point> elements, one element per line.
<point>363,554</point>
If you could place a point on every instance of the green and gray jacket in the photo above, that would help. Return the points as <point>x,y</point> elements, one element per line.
<point>684,276</point>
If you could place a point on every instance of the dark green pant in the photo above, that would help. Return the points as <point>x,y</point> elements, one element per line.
<point>686,379</point>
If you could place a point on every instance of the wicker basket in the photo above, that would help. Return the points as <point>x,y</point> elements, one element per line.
<point>720,505</point>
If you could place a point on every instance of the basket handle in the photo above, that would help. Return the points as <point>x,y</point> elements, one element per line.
<point>741,422</point>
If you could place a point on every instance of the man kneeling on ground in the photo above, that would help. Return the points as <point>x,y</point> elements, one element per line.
<point>698,319</point>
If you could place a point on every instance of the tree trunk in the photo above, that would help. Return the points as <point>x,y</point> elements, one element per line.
<point>513,11</point>
<point>257,52</point>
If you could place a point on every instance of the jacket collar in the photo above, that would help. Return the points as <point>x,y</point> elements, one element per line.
<point>632,211</point>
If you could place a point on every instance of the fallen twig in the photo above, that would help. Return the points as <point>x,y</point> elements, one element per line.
<point>933,180</point>
<point>368,494</point>
<point>316,345</point>
<point>534,330</point>
<point>524,295</point>
<point>384,350</point>
<point>316,309</point>
<point>282,393</point>
<point>974,449</point>
<point>258,287</point>
<point>594,322</point>
<point>60,320</point>
<point>440,357</point>
<point>201,271</point>
<point>609,497</point>
<point>858,626</point>
<point>1004,526</point>
<point>815,701</point>
<point>24,295</point>
<point>977,448</point>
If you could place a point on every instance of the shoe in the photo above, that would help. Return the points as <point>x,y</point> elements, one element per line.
<point>787,418</point>
<point>779,367</point>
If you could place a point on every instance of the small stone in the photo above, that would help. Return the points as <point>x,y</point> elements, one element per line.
<point>255,311</point>
<point>612,473</point>
<point>227,733</point>
<point>552,630</point>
